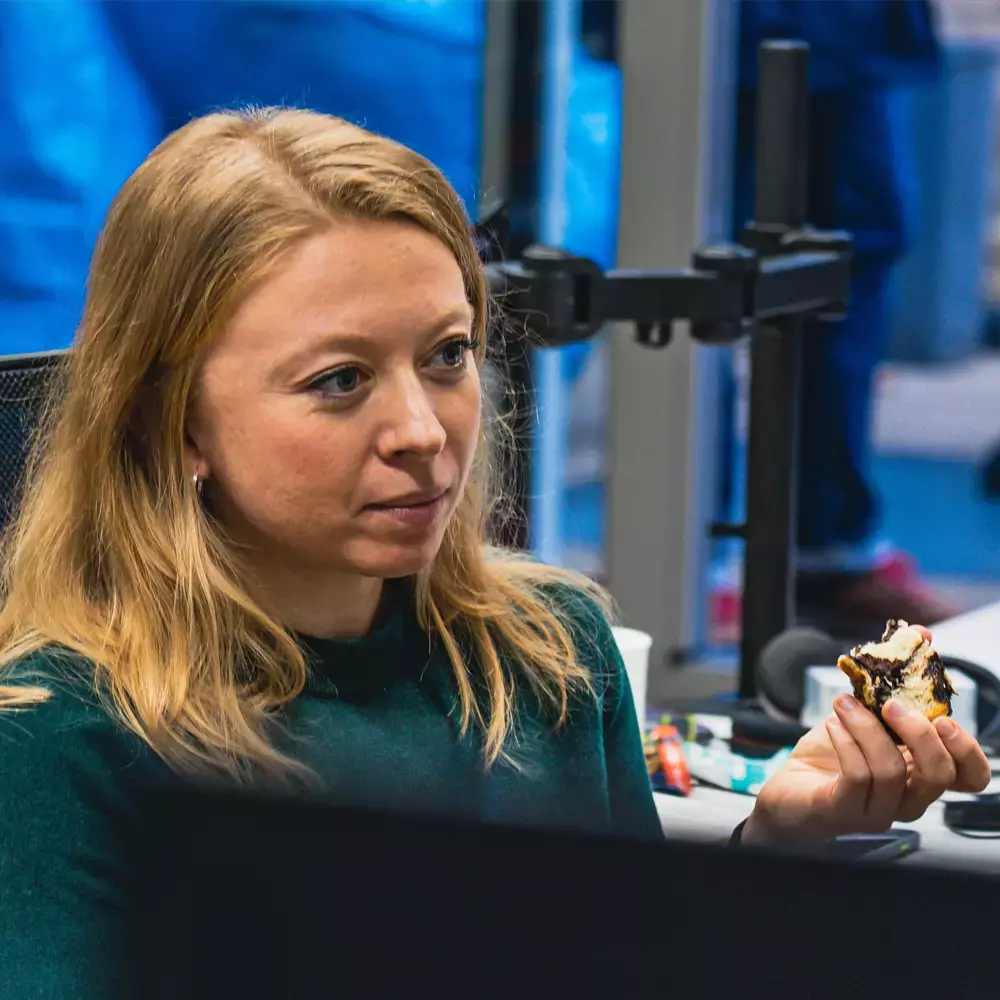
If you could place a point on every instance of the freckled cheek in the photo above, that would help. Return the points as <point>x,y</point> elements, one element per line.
<point>306,461</point>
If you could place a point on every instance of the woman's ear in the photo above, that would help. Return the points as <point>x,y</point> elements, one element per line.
<point>195,463</point>
<point>147,418</point>
<point>195,459</point>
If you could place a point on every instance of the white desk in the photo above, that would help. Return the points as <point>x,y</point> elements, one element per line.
<point>712,814</point>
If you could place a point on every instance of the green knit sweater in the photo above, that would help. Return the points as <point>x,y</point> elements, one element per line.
<point>376,723</point>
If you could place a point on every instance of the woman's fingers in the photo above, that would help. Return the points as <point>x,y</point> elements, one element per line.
<point>886,766</point>
<point>934,769</point>
<point>851,791</point>
<point>930,758</point>
<point>944,757</point>
<point>972,769</point>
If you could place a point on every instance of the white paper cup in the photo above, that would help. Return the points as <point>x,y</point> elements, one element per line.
<point>634,647</point>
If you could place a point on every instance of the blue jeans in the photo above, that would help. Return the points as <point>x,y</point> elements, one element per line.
<point>862,180</point>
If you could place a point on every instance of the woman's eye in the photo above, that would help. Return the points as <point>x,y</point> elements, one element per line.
<point>341,382</point>
<point>452,354</point>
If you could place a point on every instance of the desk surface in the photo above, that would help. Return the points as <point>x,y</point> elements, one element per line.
<point>712,814</point>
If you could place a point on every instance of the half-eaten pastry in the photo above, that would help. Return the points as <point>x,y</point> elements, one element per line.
<point>904,666</point>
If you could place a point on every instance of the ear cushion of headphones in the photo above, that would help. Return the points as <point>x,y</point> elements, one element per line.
<point>988,696</point>
<point>781,669</point>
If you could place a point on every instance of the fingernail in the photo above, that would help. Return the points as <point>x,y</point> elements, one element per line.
<point>946,728</point>
<point>895,711</point>
<point>846,704</point>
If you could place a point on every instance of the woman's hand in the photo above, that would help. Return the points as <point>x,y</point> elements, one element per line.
<point>848,776</point>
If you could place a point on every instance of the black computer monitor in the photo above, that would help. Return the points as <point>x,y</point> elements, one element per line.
<point>263,900</point>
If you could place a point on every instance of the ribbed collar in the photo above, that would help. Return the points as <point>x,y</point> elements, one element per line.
<point>394,647</point>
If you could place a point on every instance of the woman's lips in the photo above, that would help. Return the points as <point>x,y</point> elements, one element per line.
<point>410,515</point>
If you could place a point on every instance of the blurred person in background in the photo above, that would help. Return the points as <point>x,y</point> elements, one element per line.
<point>862,179</point>
<point>87,89</point>
<point>75,120</point>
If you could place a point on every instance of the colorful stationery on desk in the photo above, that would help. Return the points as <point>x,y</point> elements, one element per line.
<point>666,761</point>
<point>686,750</point>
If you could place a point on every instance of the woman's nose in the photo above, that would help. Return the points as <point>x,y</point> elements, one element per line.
<point>412,425</point>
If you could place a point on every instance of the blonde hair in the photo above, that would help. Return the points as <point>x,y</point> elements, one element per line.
<point>111,555</point>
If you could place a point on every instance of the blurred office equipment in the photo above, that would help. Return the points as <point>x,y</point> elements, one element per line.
<point>783,273</point>
<point>638,479</point>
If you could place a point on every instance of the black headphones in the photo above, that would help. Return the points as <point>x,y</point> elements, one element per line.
<point>781,677</point>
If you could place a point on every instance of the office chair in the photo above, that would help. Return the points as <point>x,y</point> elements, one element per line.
<point>24,384</point>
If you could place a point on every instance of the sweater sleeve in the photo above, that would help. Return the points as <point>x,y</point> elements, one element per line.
<point>64,825</point>
<point>633,811</point>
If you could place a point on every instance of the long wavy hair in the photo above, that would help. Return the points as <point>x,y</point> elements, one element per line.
<point>112,557</point>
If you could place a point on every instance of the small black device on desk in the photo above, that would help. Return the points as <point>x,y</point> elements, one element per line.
<point>975,817</point>
<point>889,846</point>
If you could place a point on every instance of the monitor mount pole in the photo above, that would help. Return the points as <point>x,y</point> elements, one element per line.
<point>780,273</point>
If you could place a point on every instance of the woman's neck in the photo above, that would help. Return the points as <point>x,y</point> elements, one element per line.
<point>325,606</point>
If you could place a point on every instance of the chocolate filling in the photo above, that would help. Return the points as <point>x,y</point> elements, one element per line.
<point>887,677</point>
<point>891,628</point>
<point>942,686</point>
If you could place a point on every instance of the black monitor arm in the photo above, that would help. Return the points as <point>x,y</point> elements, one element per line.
<point>779,274</point>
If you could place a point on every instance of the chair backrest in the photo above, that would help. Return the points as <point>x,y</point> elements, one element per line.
<point>24,386</point>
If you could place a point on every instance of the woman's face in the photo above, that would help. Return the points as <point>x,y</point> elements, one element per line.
<point>338,413</point>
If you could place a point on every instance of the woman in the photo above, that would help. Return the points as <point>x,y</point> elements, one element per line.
<point>252,549</point>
